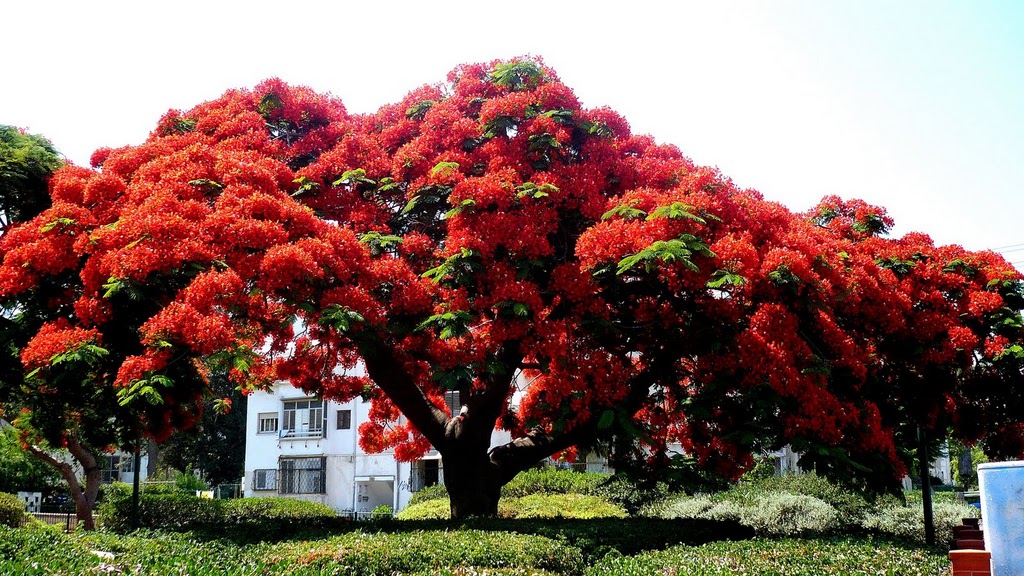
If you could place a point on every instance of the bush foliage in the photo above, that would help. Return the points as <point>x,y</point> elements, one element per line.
<point>848,556</point>
<point>614,495</point>
<point>245,517</point>
<point>797,504</point>
<point>515,550</point>
<point>12,510</point>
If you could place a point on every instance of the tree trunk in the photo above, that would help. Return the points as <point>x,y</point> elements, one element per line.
<point>966,468</point>
<point>84,498</point>
<point>474,484</point>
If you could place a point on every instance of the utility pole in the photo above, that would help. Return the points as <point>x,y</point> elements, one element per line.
<point>926,486</point>
<point>135,486</point>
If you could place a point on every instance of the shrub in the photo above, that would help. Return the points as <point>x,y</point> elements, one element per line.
<point>435,509</point>
<point>908,521</point>
<point>382,512</point>
<point>429,493</point>
<point>849,505</point>
<point>775,557</point>
<point>727,511</point>
<point>774,513</point>
<point>683,507</point>
<point>579,506</point>
<point>274,517</point>
<point>12,510</point>
<point>784,514</point>
<point>632,495</point>
<point>549,480</point>
<point>189,483</point>
<point>163,511</point>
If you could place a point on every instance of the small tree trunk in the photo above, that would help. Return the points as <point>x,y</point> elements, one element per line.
<point>84,499</point>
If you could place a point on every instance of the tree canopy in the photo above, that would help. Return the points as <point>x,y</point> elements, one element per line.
<point>576,283</point>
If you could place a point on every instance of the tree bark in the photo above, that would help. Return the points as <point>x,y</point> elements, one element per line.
<point>966,468</point>
<point>473,483</point>
<point>84,498</point>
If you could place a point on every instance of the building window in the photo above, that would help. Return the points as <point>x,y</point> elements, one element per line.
<point>424,473</point>
<point>344,419</point>
<point>112,470</point>
<point>303,419</point>
<point>264,479</point>
<point>268,422</point>
<point>303,475</point>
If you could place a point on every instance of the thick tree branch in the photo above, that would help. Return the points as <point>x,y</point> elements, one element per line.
<point>65,469</point>
<point>521,453</point>
<point>386,371</point>
<point>484,406</point>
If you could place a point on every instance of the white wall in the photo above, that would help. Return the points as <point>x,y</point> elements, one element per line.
<point>356,481</point>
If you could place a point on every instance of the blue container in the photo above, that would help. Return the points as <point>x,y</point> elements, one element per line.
<point>1002,511</point>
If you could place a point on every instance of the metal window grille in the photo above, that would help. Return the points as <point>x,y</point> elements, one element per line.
<point>303,476</point>
<point>265,479</point>
<point>424,473</point>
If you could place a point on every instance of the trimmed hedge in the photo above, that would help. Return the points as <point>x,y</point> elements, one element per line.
<point>553,481</point>
<point>462,552</point>
<point>433,509</point>
<point>426,552</point>
<point>244,517</point>
<point>273,517</point>
<point>177,512</point>
<point>617,490</point>
<point>579,506</point>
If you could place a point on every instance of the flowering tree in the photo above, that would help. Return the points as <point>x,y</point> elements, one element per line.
<point>572,281</point>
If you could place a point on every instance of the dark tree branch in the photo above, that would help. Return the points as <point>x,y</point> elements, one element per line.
<point>386,370</point>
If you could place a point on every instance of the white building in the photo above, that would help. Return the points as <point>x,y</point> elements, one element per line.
<point>304,447</point>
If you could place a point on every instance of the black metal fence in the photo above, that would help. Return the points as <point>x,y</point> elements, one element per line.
<point>55,515</point>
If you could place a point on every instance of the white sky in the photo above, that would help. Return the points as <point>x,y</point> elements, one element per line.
<point>915,105</point>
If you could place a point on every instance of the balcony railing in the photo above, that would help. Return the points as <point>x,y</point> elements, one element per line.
<point>300,434</point>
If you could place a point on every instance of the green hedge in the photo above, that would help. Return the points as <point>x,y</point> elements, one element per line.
<point>599,536</point>
<point>552,481</point>
<point>580,506</point>
<point>549,480</point>
<point>245,517</point>
<point>275,517</point>
<point>177,512</point>
<point>462,552</point>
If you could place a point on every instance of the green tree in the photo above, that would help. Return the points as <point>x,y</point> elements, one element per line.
<point>26,162</point>
<point>19,471</point>
<point>216,445</point>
